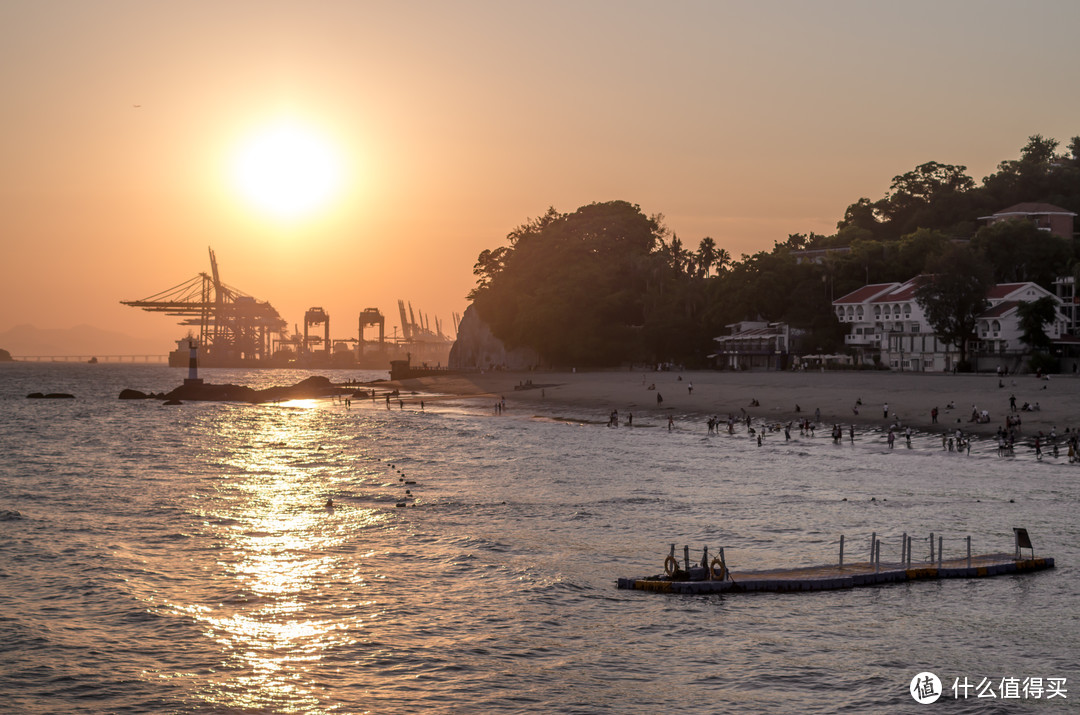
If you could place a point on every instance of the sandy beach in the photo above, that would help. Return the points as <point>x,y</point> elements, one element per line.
<point>910,396</point>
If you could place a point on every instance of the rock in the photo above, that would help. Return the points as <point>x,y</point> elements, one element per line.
<point>60,396</point>
<point>133,395</point>
<point>35,396</point>
<point>477,347</point>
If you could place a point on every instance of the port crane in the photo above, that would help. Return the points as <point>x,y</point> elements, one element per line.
<point>232,325</point>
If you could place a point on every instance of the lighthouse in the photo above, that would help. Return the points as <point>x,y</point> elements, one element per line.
<point>193,364</point>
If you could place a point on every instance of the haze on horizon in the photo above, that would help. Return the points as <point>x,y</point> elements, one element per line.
<point>450,124</point>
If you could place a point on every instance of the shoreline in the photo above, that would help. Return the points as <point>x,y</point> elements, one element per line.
<point>909,396</point>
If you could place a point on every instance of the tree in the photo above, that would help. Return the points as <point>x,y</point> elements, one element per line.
<point>930,188</point>
<point>1034,316</point>
<point>1018,251</point>
<point>574,287</point>
<point>723,259</point>
<point>953,294</point>
<point>706,255</point>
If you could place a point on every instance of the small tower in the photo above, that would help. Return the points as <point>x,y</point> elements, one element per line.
<point>193,364</point>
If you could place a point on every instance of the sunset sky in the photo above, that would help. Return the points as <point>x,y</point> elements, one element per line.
<point>441,126</point>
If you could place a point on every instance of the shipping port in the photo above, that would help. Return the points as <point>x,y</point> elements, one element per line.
<point>234,329</point>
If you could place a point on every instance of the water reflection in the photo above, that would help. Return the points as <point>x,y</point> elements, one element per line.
<point>286,600</point>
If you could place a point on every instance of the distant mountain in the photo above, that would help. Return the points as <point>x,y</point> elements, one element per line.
<point>79,340</point>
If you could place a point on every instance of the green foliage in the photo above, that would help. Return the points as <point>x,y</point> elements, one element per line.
<point>1034,316</point>
<point>574,286</point>
<point>953,293</point>
<point>1020,252</point>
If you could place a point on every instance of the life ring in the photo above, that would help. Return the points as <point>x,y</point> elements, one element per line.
<point>717,574</point>
<point>671,565</point>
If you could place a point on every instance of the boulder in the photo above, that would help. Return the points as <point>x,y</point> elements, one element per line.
<point>476,347</point>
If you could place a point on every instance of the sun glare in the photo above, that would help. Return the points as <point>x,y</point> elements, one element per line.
<point>287,171</point>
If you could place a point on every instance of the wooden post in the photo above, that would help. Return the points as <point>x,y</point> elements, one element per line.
<point>873,545</point>
<point>903,549</point>
<point>909,551</point>
<point>723,564</point>
<point>931,547</point>
<point>686,557</point>
<point>841,551</point>
<point>940,547</point>
<point>877,556</point>
<point>969,551</point>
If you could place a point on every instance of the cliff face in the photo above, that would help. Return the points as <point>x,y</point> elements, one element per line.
<point>476,347</point>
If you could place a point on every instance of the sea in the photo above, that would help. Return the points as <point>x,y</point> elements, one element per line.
<point>183,559</point>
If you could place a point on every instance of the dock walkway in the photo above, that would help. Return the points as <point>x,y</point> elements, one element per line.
<point>834,576</point>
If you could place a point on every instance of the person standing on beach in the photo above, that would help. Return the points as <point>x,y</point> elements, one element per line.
<point>886,410</point>
<point>670,423</point>
<point>933,416</point>
<point>690,388</point>
<point>659,399</point>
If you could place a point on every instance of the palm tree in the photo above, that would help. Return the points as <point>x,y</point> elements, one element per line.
<point>723,259</point>
<point>706,255</point>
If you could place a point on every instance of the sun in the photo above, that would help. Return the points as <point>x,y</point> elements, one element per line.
<point>288,170</point>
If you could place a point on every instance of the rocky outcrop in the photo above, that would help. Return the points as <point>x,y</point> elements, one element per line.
<point>312,387</point>
<point>476,347</point>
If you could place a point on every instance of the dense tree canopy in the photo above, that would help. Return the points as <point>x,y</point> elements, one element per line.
<point>953,293</point>
<point>607,284</point>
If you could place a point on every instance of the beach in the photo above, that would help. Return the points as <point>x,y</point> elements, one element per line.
<point>782,396</point>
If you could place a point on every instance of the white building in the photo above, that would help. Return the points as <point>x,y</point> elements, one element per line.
<point>887,324</point>
<point>754,344</point>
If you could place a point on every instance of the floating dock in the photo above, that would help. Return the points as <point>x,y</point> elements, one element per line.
<point>835,576</point>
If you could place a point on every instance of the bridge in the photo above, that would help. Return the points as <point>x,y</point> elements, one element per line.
<point>89,358</point>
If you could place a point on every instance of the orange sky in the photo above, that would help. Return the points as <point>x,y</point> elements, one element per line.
<point>456,122</point>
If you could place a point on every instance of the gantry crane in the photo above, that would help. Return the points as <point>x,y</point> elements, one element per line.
<point>233,326</point>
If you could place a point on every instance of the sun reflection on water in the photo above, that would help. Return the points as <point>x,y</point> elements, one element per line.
<point>287,601</point>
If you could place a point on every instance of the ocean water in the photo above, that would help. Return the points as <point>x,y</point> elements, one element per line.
<point>180,559</point>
